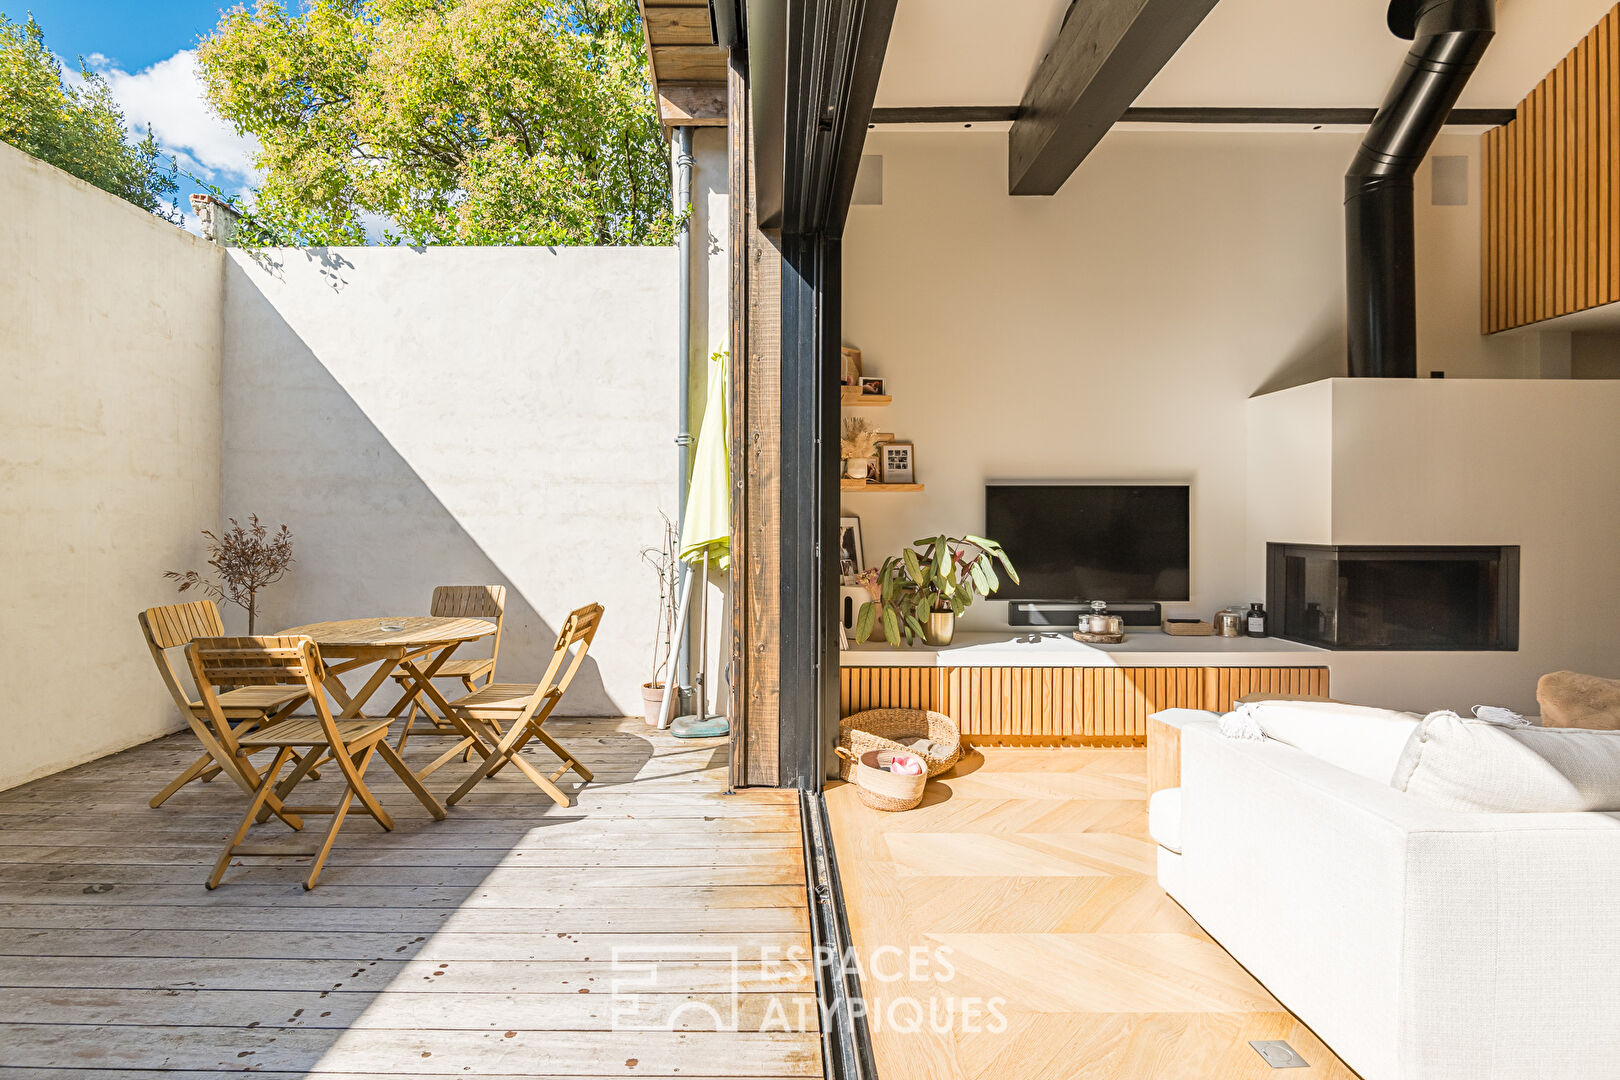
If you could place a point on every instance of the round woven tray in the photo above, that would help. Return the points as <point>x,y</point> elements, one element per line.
<point>879,729</point>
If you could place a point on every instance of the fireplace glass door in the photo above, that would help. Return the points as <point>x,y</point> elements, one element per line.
<point>1396,598</point>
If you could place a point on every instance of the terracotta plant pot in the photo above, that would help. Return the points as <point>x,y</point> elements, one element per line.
<point>652,701</point>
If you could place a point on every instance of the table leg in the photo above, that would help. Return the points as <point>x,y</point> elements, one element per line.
<point>470,737</point>
<point>422,676</point>
<point>353,706</point>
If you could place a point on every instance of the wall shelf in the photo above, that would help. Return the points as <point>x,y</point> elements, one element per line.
<point>847,484</point>
<point>854,399</point>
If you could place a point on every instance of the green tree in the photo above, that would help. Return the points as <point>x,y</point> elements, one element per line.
<point>453,121</point>
<point>80,130</point>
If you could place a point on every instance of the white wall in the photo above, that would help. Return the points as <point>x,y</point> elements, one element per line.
<point>109,458</point>
<point>1115,330</point>
<point>1532,463</point>
<point>460,415</point>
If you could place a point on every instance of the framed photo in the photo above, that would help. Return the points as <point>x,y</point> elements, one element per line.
<point>872,386</point>
<point>850,371</point>
<point>896,464</point>
<point>850,553</point>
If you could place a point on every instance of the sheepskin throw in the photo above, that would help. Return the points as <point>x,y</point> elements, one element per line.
<point>1570,699</point>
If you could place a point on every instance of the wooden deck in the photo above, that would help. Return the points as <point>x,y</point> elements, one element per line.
<point>488,944</point>
<point>1035,870</point>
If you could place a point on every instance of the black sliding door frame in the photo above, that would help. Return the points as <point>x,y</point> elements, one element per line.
<point>833,57</point>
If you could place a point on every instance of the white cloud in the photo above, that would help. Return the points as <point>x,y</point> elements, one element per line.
<point>168,97</point>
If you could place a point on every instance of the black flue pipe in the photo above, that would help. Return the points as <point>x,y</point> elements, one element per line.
<point>1448,38</point>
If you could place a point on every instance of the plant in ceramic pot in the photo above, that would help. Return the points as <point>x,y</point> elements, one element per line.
<point>665,562</point>
<point>858,448</point>
<point>922,591</point>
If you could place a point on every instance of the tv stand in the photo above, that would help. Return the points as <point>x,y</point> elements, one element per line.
<point>1034,688</point>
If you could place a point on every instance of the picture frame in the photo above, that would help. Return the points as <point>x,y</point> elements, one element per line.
<point>849,545</point>
<point>897,463</point>
<point>871,386</point>
<point>849,372</point>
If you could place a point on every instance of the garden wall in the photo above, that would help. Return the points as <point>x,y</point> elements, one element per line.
<point>416,417</point>
<point>110,343</point>
<point>460,416</point>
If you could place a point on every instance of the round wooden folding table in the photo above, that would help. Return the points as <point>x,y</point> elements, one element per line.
<point>389,643</point>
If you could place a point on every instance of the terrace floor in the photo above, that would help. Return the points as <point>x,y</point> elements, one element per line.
<point>1034,869</point>
<point>482,945</point>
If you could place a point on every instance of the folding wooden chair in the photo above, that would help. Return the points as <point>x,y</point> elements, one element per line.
<point>294,662</point>
<point>174,625</point>
<point>457,601</point>
<point>526,707</point>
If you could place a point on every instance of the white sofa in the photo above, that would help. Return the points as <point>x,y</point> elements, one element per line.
<point>1419,943</point>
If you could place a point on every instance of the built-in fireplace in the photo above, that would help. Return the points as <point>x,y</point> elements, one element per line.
<point>1416,598</point>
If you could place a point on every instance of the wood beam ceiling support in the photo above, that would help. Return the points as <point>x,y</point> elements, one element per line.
<point>692,106</point>
<point>1105,55</point>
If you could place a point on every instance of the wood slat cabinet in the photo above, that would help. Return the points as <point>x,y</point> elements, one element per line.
<point>1057,706</point>
<point>1551,192</point>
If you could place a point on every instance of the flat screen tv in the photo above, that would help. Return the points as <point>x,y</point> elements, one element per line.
<point>1114,542</point>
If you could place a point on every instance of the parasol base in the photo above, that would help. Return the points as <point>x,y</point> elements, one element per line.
<point>692,726</point>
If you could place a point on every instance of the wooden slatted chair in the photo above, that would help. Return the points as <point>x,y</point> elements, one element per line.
<point>526,707</point>
<point>174,625</point>
<point>457,601</point>
<point>288,662</point>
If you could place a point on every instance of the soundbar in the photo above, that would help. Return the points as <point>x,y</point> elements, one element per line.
<point>1067,613</point>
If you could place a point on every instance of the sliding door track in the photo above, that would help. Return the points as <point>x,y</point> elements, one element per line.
<point>846,1041</point>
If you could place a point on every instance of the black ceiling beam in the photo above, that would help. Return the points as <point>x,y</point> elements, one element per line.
<point>985,114</point>
<point>1105,55</point>
<point>834,55</point>
<point>947,114</point>
<point>1349,117</point>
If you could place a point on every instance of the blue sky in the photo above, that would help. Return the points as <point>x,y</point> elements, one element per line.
<point>144,49</point>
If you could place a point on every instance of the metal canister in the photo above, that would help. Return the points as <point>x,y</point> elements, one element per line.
<point>1228,623</point>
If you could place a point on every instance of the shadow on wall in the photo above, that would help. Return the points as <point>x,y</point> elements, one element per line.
<point>372,535</point>
<point>1319,354</point>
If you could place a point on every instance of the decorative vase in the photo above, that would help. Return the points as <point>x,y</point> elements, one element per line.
<point>858,468</point>
<point>941,627</point>
<point>652,701</point>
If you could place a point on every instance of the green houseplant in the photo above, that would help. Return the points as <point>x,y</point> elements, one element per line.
<point>921,592</point>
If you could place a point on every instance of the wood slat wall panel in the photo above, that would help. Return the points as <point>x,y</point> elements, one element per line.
<point>1551,192</point>
<point>1062,706</point>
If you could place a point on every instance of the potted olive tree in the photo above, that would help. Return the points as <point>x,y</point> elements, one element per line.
<point>247,561</point>
<point>921,592</point>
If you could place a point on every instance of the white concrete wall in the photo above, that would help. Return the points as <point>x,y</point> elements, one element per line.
<point>1116,330</point>
<point>109,458</point>
<point>1533,463</point>
<point>460,415</point>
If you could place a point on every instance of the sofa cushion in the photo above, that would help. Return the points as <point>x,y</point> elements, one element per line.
<point>1164,818</point>
<point>1356,738</point>
<point>1472,765</point>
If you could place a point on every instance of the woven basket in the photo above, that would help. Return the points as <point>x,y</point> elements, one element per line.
<point>878,787</point>
<point>878,729</point>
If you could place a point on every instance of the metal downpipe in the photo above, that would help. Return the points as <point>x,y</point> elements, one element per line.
<point>683,438</point>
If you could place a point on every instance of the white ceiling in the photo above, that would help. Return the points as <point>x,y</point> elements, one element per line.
<point>1282,53</point>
